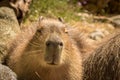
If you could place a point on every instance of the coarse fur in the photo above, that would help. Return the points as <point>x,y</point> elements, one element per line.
<point>82,42</point>
<point>30,59</point>
<point>104,63</point>
<point>80,39</point>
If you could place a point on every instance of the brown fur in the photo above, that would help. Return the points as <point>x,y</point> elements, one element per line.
<point>104,63</point>
<point>83,43</point>
<point>28,54</point>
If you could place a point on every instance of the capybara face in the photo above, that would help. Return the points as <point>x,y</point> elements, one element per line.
<point>50,39</point>
<point>43,50</point>
<point>54,46</point>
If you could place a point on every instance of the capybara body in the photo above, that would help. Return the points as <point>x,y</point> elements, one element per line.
<point>82,42</point>
<point>45,52</point>
<point>104,63</point>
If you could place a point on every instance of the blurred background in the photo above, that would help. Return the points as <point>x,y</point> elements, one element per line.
<point>94,18</point>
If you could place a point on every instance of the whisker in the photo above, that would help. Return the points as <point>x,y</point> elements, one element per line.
<point>37,75</point>
<point>35,44</point>
<point>34,51</point>
<point>37,36</point>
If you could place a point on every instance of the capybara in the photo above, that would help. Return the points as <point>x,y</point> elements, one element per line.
<point>83,43</point>
<point>104,63</point>
<point>45,51</point>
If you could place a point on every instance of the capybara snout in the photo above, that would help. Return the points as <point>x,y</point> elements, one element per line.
<point>54,46</point>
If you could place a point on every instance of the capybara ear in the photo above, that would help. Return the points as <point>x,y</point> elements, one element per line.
<point>61,19</point>
<point>41,18</point>
<point>39,21</point>
<point>65,29</point>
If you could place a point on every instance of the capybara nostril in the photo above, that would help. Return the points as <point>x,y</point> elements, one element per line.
<point>54,43</point>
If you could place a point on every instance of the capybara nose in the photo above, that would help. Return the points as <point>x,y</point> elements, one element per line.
<point>54,43</point>
<point>54,46</point>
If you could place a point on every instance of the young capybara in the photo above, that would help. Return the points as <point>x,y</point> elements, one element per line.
<point>104,63</point>
<point>45,52</point>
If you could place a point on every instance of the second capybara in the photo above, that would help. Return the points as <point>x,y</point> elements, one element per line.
<point>104,63</point>
<point>83,43</point>
<point>45,52</point>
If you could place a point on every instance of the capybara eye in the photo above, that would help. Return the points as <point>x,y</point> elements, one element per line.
<point>61,44</point>
<point>48,43</point>
<point>39,30</point>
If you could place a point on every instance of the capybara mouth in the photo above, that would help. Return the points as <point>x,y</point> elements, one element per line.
<point>52,60</point>
<point>52,63</point>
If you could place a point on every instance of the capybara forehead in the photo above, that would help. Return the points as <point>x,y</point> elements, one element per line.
<point>52,25</point>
